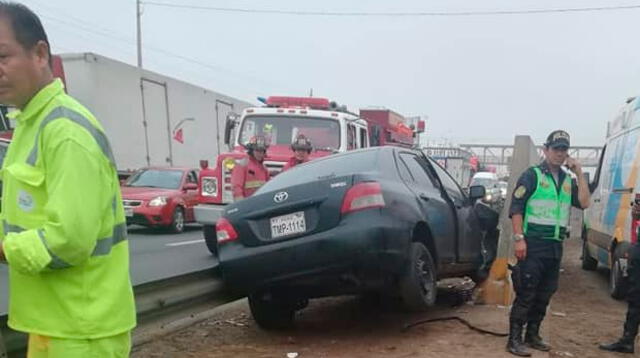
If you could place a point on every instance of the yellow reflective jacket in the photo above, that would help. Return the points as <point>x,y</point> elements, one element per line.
<point>64,231</point>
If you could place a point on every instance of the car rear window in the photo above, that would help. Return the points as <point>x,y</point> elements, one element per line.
<point>326,168</point>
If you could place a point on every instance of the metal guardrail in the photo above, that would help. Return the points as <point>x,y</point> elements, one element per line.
<point>152,300</point>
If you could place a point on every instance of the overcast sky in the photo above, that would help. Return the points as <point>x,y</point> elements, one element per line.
<point>479,79</point>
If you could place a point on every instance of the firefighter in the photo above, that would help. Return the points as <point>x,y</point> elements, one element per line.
<point>540,212</point>
<point>301,148</point>
<point>249,174</point>
<point>64,231</point>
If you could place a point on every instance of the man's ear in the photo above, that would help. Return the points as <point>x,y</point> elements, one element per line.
<point>41,53</point>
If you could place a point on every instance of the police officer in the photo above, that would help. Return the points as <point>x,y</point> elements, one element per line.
<point>301,148</point>
<point>249,174</point>
<point>540,212</point>
<point>64,231</point>
<point>626,343</point>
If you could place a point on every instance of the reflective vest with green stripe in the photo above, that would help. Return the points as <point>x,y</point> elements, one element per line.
<point>64,231</point>
<point>548,209</point>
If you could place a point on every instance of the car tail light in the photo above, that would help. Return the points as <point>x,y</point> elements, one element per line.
<point>362,196</point>
<point>225,231</point>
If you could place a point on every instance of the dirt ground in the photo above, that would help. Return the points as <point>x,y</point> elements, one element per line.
<point>581,315</point>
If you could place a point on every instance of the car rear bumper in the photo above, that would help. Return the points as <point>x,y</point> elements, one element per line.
<point>208,214</point>
<point>360,253</point>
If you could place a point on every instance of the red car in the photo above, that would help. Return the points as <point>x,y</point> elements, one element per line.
<point>161,197</point>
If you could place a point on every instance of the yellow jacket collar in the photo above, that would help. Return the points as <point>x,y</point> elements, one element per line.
<point>37,102</point>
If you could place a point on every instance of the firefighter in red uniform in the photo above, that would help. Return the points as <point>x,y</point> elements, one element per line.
<point>249,174</point>
<point>301,148</point>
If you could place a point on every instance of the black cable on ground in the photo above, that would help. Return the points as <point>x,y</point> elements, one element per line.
<point>454,318</point>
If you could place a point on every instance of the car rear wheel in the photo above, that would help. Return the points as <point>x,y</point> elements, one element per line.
<point>588,262</point>
<point>418,287</point>
<point>618,284</point>
<point>177,222</point>
<point>210,238</point>
<point>271,313</point>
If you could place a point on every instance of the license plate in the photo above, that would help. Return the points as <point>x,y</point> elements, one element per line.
<point>128,212</point>
<point>286,225</point>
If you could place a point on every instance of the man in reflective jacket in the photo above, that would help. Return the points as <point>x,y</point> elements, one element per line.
<point>64,231</point>
<point>249,173</point>
<point>540,211</point>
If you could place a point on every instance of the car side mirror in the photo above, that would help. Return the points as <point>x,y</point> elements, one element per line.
<point>191,186</point>
<point>476,192</point>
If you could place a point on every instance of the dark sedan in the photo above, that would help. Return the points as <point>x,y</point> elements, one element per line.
<point>378,220</point>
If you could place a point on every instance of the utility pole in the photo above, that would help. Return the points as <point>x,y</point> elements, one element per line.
<point>139,37</point>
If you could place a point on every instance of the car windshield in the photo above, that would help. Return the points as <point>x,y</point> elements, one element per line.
<point>155,178</point>
<point>323,133</point>
<point>485,182</point>
<point>326,168</point>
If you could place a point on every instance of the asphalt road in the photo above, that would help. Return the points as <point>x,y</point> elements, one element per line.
<point>154,255</point>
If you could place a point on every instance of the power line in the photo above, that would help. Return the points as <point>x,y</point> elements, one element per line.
<point>151,48</point>
<point>113,35</point>
<point>391,14</point>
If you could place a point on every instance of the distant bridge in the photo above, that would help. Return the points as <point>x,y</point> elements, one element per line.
<point>500,154</point>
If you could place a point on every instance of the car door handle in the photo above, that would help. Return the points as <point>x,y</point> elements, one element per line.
<point>424,197</point>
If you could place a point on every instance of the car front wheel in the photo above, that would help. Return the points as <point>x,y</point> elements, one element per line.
<point>418,287</point>
<point>177,222</point>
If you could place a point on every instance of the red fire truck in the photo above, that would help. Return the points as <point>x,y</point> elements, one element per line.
<point>330,127</point>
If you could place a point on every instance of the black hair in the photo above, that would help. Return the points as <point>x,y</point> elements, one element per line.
<point>26,25</point>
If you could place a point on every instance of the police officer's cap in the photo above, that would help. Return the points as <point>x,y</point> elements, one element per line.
<point>558,139</point>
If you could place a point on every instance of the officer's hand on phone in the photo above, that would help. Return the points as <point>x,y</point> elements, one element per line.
<point>573,165</point>
<point>520,248</point>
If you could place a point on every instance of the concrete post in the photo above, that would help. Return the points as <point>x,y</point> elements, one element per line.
<point>498,289</point>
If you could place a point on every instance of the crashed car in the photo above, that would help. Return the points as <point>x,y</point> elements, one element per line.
<point>381,220</point>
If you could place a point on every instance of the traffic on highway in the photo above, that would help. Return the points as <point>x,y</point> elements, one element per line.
<point>319,188</point>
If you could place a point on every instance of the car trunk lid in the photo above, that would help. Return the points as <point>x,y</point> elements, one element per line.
<point>288,214</point>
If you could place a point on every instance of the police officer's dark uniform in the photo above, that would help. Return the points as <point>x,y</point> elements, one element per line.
<point>627,342</point>
<point>535,279</point>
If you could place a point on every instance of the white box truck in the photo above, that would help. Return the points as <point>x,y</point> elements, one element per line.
<point>150,119</point>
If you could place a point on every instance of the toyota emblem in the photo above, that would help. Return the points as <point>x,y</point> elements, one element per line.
<point>280,197</point>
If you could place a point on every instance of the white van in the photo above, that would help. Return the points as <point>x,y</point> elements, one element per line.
<point>607,224</point>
